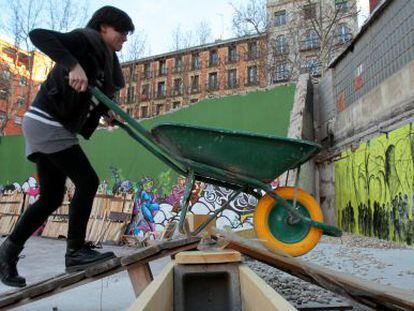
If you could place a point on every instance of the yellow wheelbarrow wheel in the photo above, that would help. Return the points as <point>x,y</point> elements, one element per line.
<point>276,232</point>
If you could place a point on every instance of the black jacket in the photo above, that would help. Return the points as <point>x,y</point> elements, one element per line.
<point>56,97</point>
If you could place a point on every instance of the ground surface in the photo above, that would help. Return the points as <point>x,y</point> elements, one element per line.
<point>367,258</point>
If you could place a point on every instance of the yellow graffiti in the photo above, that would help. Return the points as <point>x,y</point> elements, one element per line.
<point>374,186</point>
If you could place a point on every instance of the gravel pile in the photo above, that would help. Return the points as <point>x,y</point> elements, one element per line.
<point>351,240</point>
<point>298,292</point>
<point>346,256</point>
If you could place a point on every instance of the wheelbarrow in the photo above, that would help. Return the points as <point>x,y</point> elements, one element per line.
<point>287,219</point>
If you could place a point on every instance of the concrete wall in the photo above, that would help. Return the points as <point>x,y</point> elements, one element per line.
<point>367,93</point>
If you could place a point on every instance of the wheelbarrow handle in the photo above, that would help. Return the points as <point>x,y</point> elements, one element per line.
<point>137,131</point>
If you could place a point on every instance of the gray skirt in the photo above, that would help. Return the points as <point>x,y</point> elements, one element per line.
<point>46,138</point>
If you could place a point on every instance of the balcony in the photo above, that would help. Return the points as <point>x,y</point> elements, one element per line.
<point>178,69</point>
<point>195,66</point>
<point>254,82</point>
<point>252,55</point>
<point>232,59</point>
<point>194,89</point>
<point>344,38</point>
<point>144,97</point>
<point>232,84</point>
<point>177,92</point>
<point>213,63</point>
<point>212,87</point>
<point>162,72</point>
<point>310,44</point>
<point>160,95</point>
<point>146,74</point>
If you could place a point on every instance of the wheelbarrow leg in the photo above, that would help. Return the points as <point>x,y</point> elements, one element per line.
<point>186,200</point>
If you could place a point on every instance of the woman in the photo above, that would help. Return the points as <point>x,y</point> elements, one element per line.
<point>62,109</point>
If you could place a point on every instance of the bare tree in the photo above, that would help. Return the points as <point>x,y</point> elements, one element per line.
<point>135,47</point>
<point>63,15</point>
<point>249,18</point>
<point>203,33</point>
<point>25,15</point>
<point>316,32</point>
<point>181,39</point>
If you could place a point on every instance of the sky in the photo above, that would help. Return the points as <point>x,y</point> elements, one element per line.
<point>158,18</point>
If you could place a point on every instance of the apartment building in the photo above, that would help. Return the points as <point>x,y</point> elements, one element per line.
<point>21,72</point>
<point>306,35</point>
<point>161,83</point>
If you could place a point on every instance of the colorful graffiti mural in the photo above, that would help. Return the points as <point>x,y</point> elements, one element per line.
<point>374,187</point>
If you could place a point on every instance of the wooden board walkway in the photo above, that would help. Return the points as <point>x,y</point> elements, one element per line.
<point>136,264</point>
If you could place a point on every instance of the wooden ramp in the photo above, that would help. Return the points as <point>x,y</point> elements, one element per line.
<point>136,264</point>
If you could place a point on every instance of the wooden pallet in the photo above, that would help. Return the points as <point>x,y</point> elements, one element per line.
<point>10,210</point>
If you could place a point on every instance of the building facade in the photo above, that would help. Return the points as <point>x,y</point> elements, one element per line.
<point>158,84</point>
<point>21,72</point>
<point>306,35</point>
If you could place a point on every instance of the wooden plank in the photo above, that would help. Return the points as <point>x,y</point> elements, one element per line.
<point>139,255</point>
<point>179,242</point>
<point>159,294</point>
<point>67,281</point>
<point>140,276</point>
<point>41,288</point>
<point>197,257</point>
<point>257,295</point>
<point>103,267</point>
<point>368,293</point>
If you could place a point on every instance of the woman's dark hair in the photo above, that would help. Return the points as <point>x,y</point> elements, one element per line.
<point>111,16</point>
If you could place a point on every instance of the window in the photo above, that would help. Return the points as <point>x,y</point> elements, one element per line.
<point>342,5</point>
<point>232,54</point>
<point>176,105</point>
<point>18,120</point>
<point>344,34</point>
<point>282,73</point>
<point>313,66</point>
<point>145,92</point>
<point>20,101</point>
<point>309,11</point>
<point>178,64</point>
<point>5,75</point>
<point>195,61</point>
<point>162,70</point>
<point>23,81</point>
<point>280,18</point>
<point>232,78</point>
<point>213,60</point>
<point>311,40</point>
<point>159,109</point>
<point>161,90</point>
<point>130,94</point>
<point>195,80</point>
<point>282,45</point>
<point>212,81</point>
<point>3,94</point>
<point>252,75</point>
<point>147,70</point>
<point>144,112</point>
<point>252,51</point>
<point>2,118</point>
<point>178,87</point>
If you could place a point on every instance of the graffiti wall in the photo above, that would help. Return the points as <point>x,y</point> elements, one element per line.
<point>374,186</point>
<point>156,204</point>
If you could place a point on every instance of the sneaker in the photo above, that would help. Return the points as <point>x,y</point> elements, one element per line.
<point>84,257</point>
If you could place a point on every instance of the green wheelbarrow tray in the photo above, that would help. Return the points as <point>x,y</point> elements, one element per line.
<point>243,162</point>
<point>262,157</point>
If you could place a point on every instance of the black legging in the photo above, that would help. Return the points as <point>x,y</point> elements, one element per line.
<point>52,171</point>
